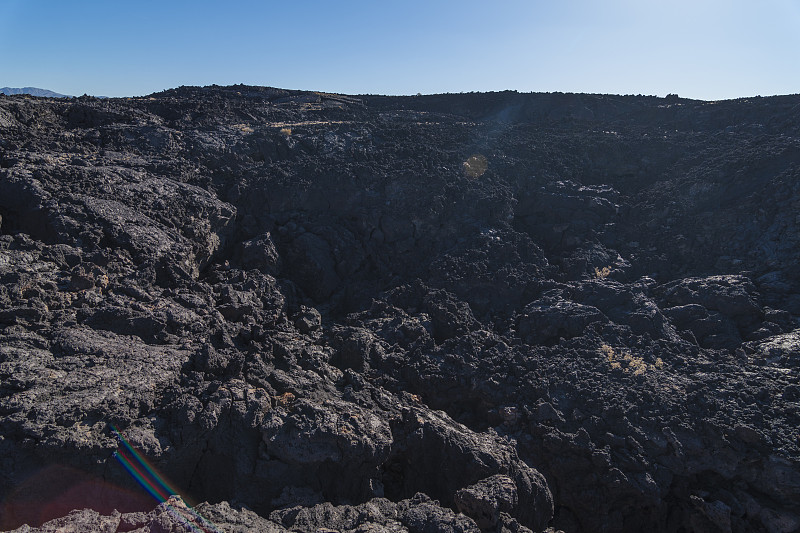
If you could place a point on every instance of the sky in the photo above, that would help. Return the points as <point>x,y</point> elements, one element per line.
<point>703,49</point>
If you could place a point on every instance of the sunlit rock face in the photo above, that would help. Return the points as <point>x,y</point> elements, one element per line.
<point>475,312</point>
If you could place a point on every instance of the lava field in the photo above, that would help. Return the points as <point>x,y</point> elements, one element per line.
<point>494,312</point>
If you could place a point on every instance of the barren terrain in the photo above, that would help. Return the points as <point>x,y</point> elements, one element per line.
<point>498,312</point>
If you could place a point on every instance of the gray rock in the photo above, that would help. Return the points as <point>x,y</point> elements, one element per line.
<point>548,320</point>
<point>485,500</point>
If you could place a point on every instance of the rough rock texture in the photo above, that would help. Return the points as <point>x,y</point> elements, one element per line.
<point>500,312</point>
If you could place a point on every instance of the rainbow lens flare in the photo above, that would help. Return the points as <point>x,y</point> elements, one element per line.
<point>144,473</point>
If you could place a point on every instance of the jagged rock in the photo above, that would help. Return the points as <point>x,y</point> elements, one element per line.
<point>312,267</point>
<point>301,302</point>
<point>783,350</point>
<point>172,516</point>
<point>308,320</point>
<point>545,320</point>
<point>338,436</point>
<point>422,515</point>
<point>260,253</point>
<point>485,500</point>
<point>355,347</point>
<point>732,296</point>
<point>710,329</point>
<point>428,440</point>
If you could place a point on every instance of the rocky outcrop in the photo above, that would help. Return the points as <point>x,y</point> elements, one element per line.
<point>486,312</point>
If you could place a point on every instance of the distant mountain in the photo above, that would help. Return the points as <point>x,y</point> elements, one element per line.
<point>33,91</point>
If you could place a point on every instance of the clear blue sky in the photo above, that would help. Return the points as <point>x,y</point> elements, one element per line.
<point>706,49</point>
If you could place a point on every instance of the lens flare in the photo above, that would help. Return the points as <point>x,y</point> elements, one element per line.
<point>475,166</point>
<point>145,474</point>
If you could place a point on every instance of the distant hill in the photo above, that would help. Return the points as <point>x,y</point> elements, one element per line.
<point>33,91</point>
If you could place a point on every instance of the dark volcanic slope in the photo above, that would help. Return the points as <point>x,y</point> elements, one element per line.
<point>320,311</point>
